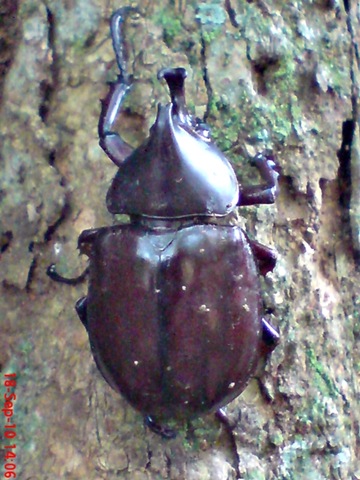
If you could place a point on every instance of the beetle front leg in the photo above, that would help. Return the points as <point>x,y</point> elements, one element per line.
<point>111,142</point>
<point>56,277</point>
<point>267,193</point>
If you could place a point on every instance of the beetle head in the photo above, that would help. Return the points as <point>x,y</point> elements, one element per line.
<point>178,171</point>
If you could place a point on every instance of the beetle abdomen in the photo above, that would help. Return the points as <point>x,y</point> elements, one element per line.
<point>174,316</point>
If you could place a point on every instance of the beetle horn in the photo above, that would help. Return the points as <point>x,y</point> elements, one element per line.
<point>175,78</point>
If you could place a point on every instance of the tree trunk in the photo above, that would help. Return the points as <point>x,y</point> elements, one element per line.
<point>266,75</point>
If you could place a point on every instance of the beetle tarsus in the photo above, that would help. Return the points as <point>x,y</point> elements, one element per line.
<point>229,429</point>
<point>118,42</point>
<point>111,142</point>
<point>54,275</point>
<point>262,194</point>
<point>270,336</point>
<point>162,430</point>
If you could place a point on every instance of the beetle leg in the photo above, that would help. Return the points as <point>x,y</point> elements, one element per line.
<point>161,430</point>
<point>54,275</point>
<point>229,429</point>
<point>111,142</point>
<point>267,192</point>
<point>266,257</point>
<point>270,336</point>
<point>80,307</point>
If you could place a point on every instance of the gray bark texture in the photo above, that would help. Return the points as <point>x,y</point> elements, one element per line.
<point>266,74</point>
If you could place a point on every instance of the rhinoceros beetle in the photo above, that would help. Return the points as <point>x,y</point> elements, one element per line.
<point>173,311</point>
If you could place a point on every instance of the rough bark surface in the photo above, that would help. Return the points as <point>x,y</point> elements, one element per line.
<point>274,74</point>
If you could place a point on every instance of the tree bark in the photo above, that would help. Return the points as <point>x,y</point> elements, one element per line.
<point>265,75</point>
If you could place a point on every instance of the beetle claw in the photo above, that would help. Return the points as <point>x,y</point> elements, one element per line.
<point>162,430</point>
<point>118,43</point>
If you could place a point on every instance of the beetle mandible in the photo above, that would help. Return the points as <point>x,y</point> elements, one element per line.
<point>173,311</point>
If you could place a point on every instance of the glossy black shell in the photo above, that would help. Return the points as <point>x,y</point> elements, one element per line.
<point>173,317</point>
<point>173,310</point>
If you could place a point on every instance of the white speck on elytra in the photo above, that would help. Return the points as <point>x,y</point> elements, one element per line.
<point>204,308</point>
